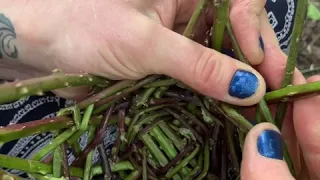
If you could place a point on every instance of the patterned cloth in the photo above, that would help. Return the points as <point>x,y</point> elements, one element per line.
<point>281,16</point>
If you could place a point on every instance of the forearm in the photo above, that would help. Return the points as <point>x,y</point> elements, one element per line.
<point>26,37</point>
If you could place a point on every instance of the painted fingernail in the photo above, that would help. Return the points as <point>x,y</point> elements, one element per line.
<point>269,144</point>
<point>261,43</point>
<point>243,84</point>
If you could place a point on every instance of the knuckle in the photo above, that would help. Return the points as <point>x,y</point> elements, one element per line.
<point>207,70</point>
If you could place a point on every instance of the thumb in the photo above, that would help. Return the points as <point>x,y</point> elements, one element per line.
<point>205,70</point>
<point>262,155</point>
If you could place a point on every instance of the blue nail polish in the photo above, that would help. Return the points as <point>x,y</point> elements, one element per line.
<point>261,43</point>
<point>243,84</point>
<point>269,144</point>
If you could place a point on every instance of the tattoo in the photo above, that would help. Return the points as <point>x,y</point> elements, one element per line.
<point>7,38</point>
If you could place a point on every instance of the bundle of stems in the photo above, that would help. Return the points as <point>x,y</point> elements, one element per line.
<point>165,130</point>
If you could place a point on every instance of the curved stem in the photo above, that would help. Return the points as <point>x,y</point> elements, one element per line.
<point>13,91</point>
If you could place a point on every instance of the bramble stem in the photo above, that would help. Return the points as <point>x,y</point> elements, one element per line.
<point>206,162</point>
<point>265,112</point>
<point>83,126</point>
<point>13,91</point>
<point>106,93</point>
<point>89,159</point>
<point>293,54</point>
<point>183,163</point>
<point>54,143</point>
<point>219,26</point>
<point>192,24</point>
<point>292,92</point>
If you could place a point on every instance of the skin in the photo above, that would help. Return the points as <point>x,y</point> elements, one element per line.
<point>129,39</point>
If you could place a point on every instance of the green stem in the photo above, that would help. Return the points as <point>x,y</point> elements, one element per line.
<point>134,175</point>
<point>21,130</point>
<point>88,163</point>
<point>183,163</point>
<point>236,118</point>
<point>219,26</point>
<point>165,144</point>
<point>32,166</point>
<point>54,143</point>
<point>160,91</point>
<point>177,141</point>
<point>193,22</point>
<point>292,92</point>
<point>57,160</point>
<point>230,141</point>
<point>206,163</point>
<point>107,92</point>
<point>13,91</point>
<point>153,148</point>
<point>83,126</point>
<point>146,120</point>
<point>144,164</point>
<point>265,112</point>
<point>145,96</point>
<point>293,54</point>
<point>160,83</point>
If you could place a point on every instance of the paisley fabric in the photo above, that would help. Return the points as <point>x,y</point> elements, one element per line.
<point>281,15</point>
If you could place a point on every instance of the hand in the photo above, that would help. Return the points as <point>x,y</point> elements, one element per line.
<point>128,39</point>
<point>262,155</point>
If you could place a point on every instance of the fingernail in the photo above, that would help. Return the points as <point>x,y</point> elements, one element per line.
<point>269,144</point>
<point>243,84</point>
<point>261,43</point>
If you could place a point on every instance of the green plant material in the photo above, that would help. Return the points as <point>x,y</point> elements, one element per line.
<point>241,138</point>
<point>83,126</point>
<point>88,164</point>
<point>17,131</point>
<point>313,12</point>
<point>293,54</point>
<point>32,166</point>
<point>102,108</point>
<point>21,130</point>
<point>147,120</point>
<point>153,148</point>
<point>7,176</point>
<point>206,161</point>
<point>145,96</point>
<point>265,112</point>
<point>236,118</point>
<point>54,143</point>
<point>107,92</point>
<point>13,91</point>
<point>230,141</point>
<point>134,175</point>
<point>57,161</point>
<point>183,163</point>
<point>160,91</point>
<point>193,22</point>
<point>162,83</point>
<point>165,143</point>
<point>177,141</point>
<point>144,164</point>
<point>207,116</point>
<point>293,92</point>
<point>219,26</point>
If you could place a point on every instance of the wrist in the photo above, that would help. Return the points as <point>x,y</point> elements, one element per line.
<point>30,29</point>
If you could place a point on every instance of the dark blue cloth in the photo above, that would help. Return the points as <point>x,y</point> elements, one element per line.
<point>280,13</point>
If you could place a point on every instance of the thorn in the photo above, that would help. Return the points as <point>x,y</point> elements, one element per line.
<point>24,90</point>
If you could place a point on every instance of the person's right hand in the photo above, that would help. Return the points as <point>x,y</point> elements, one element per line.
<point>129,39</point>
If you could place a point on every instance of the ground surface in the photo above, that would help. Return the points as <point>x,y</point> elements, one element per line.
<point>310,46</point>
